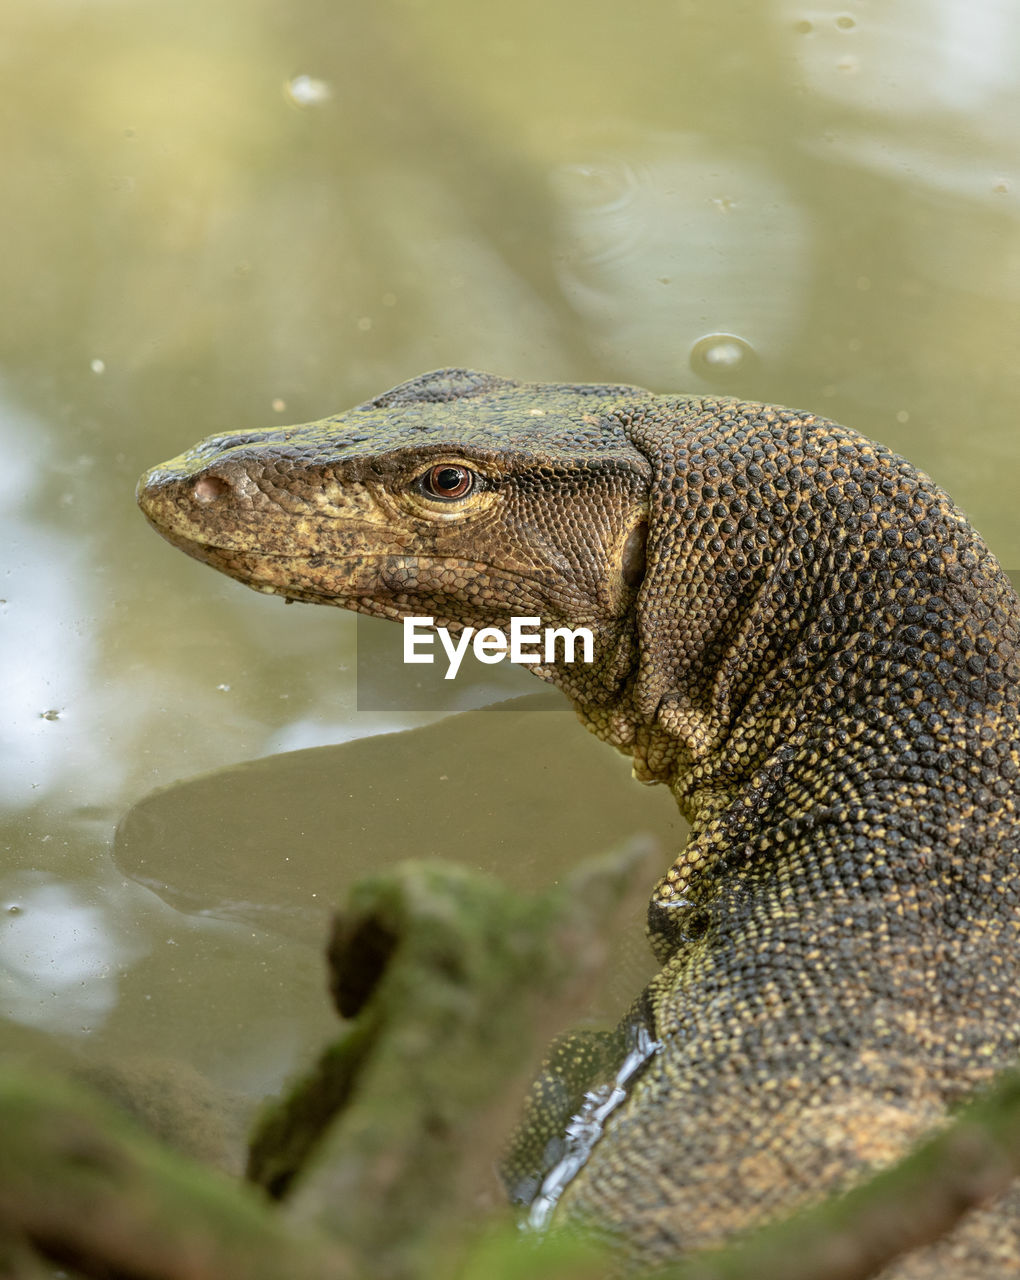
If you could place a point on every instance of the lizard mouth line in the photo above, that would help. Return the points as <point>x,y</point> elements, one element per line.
<point>202,548</point>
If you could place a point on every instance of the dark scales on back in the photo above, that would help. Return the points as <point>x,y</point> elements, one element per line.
<point>803,638</point>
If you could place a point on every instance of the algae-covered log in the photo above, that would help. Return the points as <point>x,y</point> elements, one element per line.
<point>454,984</point>
<point>455,981</point>
<point>82,1186</point>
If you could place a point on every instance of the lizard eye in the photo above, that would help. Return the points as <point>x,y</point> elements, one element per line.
<point>448,482</point>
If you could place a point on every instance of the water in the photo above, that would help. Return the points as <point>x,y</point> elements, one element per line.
<point>215,221</point>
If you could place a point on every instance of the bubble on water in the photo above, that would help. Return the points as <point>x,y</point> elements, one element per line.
<point>721,355</point>
<point>97,366</point>
<point>306,91</point>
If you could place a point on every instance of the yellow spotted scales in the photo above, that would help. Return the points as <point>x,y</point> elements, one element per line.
<point>799,634</point>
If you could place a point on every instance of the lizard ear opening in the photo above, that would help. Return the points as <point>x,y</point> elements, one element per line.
<point>632,561</point>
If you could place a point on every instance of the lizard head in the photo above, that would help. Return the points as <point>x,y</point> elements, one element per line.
<point>460,496</point>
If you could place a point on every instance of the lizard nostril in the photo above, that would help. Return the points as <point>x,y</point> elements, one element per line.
<point>209,488</point>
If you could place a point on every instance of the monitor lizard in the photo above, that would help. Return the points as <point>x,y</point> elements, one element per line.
<point>798,633</point>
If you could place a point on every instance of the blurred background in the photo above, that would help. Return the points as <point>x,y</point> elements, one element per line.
<point>220,217</point>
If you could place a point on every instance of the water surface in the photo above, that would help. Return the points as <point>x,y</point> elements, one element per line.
<point>224,218</point>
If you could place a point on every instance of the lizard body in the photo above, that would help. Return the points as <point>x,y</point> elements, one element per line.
<point>799,634</point>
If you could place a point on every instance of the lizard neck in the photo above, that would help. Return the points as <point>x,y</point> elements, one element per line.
<point>820,633</point>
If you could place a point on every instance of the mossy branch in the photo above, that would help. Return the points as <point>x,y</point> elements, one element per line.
<point>81,1186</point>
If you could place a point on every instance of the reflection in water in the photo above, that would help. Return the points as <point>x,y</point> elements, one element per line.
<point>687,241</point>
<point>958,55</point>
<point>59,956</point>
<point>44,654</point>
<point>278,842</point>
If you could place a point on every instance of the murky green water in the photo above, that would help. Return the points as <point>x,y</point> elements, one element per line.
<point>254,213</point>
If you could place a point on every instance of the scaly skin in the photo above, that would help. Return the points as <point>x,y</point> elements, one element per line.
<point>803,638</point>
